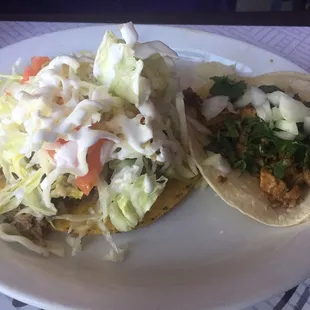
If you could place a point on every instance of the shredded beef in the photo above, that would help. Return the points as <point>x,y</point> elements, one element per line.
<point>29,226</point>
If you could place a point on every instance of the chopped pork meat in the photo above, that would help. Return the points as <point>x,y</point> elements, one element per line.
<point>277,191</point>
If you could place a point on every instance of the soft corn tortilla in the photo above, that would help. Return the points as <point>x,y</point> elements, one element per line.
<point>242,191</point>
<point>174,192</point>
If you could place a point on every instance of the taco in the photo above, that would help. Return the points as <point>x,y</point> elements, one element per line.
<point>92,144</point>
<point>256,155</point>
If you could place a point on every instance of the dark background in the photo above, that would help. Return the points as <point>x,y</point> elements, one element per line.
<point>203,12</point>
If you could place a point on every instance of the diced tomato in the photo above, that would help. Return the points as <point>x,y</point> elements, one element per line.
<point>53,152</point>
<point>93,156</point>
<point>37,63</point>
<point>62,141</point>
<point>87,182</point>
<point>28,72</point>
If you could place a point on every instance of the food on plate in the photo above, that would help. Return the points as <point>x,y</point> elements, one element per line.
<point>256,155</point>
<point>92,144</point>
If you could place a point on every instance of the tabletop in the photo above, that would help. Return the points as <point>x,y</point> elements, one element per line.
<point>293,43</point>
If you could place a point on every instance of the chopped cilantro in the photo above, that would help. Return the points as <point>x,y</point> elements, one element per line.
<point>267,89</point>
<point>280,167</point>
<point>240,164</point>
<point>232,128</point>
<point>223,86</point>
<point>250,144</point>
<point>306,161</point>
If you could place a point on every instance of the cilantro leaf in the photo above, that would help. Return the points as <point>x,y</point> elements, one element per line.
<point>306,161</point>
<point>287,148</point>
<point>223,86</point>
<point>258,129</point>
<point>267,89</point>
<point>280,167</point>
<point>241,165</point>
<point>232,128</point>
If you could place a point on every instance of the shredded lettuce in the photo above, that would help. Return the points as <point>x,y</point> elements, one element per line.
<point>163,81</point>
<point>23,182</point>
<point>142,199</point>
<point>9,233</point>
<point>7,104</point>
<point>218,162</point>
<point>12,140</point>
<point>27,192</point>
<point>134,201</point>
<point>75,243</point>
<point>129,195</point>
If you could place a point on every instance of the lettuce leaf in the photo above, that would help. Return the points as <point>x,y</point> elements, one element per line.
<point>117,69</point>
<point>136,198</point>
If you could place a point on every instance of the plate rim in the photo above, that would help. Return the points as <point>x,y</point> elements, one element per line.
<point>173,27</point>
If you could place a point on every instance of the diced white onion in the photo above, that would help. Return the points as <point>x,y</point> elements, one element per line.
<point>287,126</point>
<point>275,96</point>
<point>231,108</point>
<point>214,106</point>
<point>264,111</point>
<point>276,114</point>
<point>293,110</point>
<point>258,97</point>
<point>284,135</point>
<point>253,95</point>
<point>218,162</point>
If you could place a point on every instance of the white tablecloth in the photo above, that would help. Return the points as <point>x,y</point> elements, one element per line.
<point>293,43</point>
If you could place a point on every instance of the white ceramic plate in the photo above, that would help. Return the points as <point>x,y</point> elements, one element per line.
<point>203,255</point>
